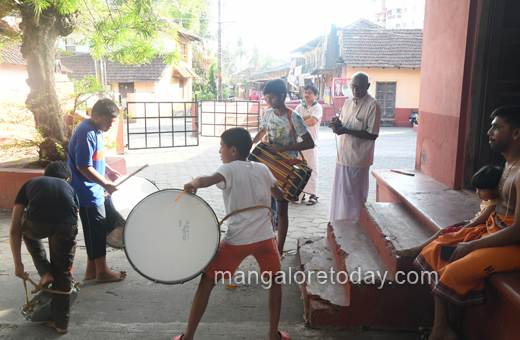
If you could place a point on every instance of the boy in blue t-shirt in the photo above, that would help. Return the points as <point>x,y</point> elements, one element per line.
<point>275,124</point>
<point>87,162</point>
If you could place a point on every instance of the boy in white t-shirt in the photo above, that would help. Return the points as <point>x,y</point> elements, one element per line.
<point>244,184</point>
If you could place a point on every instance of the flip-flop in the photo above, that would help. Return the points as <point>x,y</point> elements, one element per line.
<point>178,337</point>
<point>312,200</point>
<point>284,335</point>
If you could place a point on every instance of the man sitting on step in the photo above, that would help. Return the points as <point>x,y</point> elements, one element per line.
<point>483,250</point>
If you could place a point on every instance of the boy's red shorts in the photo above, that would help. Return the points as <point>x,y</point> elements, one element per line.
<point>229,257</point>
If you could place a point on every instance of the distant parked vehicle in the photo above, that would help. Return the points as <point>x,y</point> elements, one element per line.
<point>413,117</point>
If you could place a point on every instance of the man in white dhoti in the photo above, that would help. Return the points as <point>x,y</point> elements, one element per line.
<point>311,113</point>
<point>358,128</point>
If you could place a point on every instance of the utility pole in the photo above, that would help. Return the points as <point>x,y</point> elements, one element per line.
<point>219,57</point>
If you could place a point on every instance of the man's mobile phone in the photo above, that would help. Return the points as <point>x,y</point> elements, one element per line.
<point>447,251</point>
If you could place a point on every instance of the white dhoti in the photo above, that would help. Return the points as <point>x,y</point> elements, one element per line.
<point>311,156</point>
<point>349,192</point>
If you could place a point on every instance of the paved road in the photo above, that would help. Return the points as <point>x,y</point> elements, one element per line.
<point>140,309</point>
<point>171,168</point>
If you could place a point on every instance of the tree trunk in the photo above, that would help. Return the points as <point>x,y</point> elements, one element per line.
<point>39,37</point>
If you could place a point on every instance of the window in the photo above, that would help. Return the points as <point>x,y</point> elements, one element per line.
<point>70,45</point>
<point>389,12</point>
<point>398,26</point>
<point>181,83</point>
<point>181,47</point>
<point>413,24</point>
<point>398,11</point>
<point>404,25</point>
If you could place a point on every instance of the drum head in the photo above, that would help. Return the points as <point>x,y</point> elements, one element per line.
<point>170,241</point>
<point>131,192</point>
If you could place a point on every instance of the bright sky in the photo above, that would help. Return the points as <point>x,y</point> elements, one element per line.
<point>280,26</point>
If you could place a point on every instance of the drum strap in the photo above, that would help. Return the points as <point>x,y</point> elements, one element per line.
<point>247,209</point>
<point>292,130</point>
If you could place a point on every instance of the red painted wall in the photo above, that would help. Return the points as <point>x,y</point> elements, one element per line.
<point>401,117</point>
<point>443,104</point>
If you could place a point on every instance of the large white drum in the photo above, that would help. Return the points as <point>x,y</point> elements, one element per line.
<point>170,241</point>
<point>131,192</point>
<point>119,205</point>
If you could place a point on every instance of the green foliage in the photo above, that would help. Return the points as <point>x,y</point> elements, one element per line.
<point>240,52</point>
<point>211,86</point>
<point>256,58</point>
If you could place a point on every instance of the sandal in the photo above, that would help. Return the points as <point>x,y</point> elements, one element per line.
<point>284,335</point>
<point>312,200</point>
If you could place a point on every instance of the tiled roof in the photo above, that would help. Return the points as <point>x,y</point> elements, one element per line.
<point>82,65</point>
<point>186,72</point>
<point>308,46</point>
<point>366,44</point>
<point>188,35</point>
<point>270,70</point>
<point>11,54</point>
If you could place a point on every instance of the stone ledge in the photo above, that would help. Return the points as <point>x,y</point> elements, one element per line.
<point>12,178</point>
<point>432,202</point>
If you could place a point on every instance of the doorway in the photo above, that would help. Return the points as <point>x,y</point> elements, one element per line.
<point>385,95</point>
<point>496,78</point>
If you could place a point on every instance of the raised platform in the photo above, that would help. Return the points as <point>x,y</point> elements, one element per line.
<point>433,203</point>
<point>12,178</point>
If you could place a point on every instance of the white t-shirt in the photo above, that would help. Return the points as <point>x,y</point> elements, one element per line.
<point>247,184</point>
<point>316,111</point>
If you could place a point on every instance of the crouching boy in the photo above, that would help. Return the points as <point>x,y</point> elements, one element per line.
<point>47,207</point>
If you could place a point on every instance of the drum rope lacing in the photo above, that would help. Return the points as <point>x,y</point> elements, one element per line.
<point>38,288</point>
<point>275,169</point>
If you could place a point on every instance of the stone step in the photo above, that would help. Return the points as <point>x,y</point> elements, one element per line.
<point>393,228</point>
<point>374,298</point>
<point>323,302</point>
<point>432,202</point>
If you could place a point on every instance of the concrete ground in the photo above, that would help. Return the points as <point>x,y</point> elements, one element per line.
<point>140,309</point>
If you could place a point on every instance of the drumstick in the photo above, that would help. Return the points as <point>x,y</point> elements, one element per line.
<point>402,172</point>
<point>132,174</point>
<point>180,195</point>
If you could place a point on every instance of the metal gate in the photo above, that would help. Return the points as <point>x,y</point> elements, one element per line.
<point>216,116</point>
<point>161,124</point>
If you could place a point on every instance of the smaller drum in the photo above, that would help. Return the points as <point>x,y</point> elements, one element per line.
<point>291,174</point>
<point>39,307</point>
<point>119,205</point>
<point>170,241</point>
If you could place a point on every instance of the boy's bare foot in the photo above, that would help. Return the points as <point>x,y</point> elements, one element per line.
<point>110,276</point>
<point>90,274</point>
<point>46,279</point>
<point>59,330</point>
